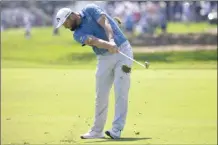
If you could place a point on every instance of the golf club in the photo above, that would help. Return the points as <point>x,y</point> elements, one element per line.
<point>146,65</point>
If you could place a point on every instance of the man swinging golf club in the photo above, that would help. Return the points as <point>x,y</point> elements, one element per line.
<point>93,27</point>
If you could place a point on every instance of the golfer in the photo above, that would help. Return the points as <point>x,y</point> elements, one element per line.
<point>93,27</point>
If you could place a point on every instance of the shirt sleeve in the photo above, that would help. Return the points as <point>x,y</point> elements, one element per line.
<point>80,37</point>
<point>95,11</point>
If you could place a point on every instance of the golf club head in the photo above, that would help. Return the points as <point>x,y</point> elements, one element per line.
<point>147,64</point>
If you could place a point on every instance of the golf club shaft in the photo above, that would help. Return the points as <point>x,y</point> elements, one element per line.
<point>131,59</point>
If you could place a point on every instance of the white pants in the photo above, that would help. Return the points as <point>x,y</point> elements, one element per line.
<point>109,71</point>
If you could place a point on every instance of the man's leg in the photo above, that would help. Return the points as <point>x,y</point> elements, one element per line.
<point>121,89</point>
<point>104,81</point>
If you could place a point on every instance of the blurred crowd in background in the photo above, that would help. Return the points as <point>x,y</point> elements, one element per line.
<point>141,16</point>
<point>146,16</point>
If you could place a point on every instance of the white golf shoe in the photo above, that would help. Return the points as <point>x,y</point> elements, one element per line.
<point>92,135</point>
<point>113,133</point>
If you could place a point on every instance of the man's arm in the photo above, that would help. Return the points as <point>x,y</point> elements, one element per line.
<point>93,41</point>
<point>100,16</point>
<point>99,43</point>
<point>103,21</point>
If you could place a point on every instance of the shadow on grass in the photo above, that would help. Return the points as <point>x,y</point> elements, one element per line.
<point>129,139</point>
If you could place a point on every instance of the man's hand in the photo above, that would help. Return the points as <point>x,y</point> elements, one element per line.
<point>99,43</point>
<point>113,47</point>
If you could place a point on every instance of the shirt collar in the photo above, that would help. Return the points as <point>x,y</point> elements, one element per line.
<point>82,14</point>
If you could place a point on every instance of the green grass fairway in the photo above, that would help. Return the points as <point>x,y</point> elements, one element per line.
<point>175,27</point>
<point>47,92</point>
<point>55,106</point>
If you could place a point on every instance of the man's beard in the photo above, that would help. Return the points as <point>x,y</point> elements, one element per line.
<point>73,27</point>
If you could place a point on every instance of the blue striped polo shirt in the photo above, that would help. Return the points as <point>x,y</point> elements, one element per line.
<point>89,27</point>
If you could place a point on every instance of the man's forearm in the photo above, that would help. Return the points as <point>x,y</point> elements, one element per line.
<point>101,43</point>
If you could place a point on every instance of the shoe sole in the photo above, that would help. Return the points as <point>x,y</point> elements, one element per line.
<point>82,137</point>
<point>109,134</point>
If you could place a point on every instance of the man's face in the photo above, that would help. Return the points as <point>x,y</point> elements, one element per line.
<point>71,22</point>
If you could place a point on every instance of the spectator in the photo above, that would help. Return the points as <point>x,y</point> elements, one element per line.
<point>171,10</point>
<point>27,24</point>
<point>163,17</point>
<point>177,11</point>
<point>205,9</point>
<point>2,27</point>
<point>2,24</point>
<point>186,12</point>
<point>129,23</point>
<point>197,11</point>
